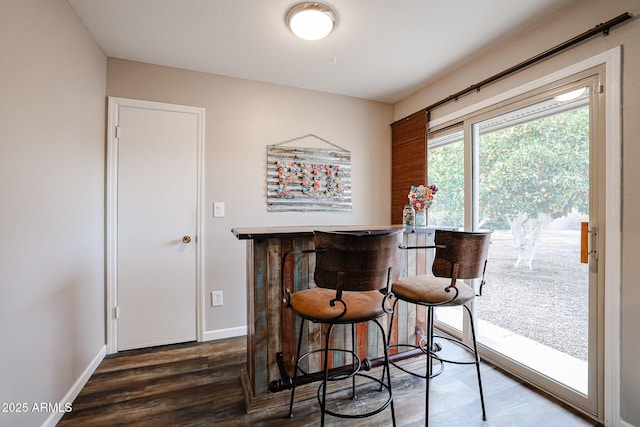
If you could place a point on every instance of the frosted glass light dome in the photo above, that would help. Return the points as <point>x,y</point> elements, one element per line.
<point>311,21</point>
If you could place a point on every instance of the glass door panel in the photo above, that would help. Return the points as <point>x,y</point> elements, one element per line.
<point>533,188</point>
<point>445,169</point>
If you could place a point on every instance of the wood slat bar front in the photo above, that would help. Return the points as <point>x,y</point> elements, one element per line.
<point>273,329</point>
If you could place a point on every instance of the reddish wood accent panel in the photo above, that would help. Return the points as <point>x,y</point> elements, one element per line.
<point>361,336</point>
<point>408,160</point>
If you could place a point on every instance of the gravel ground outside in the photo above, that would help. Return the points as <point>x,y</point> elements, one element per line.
<point>548,303</point>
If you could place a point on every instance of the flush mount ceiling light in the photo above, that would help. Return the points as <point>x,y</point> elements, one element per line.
<point>311,20</point>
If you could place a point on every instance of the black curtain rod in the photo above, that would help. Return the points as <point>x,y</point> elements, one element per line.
<point>600,28</point>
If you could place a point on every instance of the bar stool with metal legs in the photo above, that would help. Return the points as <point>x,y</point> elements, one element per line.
<point>459,256</point>
<point>351,270</point>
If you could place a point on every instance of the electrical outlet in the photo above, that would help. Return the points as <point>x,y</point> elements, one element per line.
<point>216,298</point>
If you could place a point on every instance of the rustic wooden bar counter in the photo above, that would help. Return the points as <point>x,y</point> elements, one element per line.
<point>271,327</point>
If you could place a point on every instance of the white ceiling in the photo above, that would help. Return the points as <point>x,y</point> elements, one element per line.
<point>381,50</point>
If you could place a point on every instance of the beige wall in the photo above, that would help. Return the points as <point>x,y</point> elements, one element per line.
<point>242,118</point>
<point>52,115</point>
<point>565,25</point>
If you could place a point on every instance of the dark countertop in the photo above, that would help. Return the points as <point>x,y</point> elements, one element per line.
<point>301,231</point>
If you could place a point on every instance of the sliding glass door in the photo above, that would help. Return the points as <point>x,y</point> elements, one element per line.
<point>532,177</point>
<point>445,160</point>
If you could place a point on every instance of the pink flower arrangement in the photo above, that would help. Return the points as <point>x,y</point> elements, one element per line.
<point>421,197</point>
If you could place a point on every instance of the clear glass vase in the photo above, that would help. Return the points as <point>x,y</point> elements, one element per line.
<point>408,216</point>
<point>421,218</point>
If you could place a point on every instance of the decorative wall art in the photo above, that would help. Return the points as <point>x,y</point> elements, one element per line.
<point>308,179</point>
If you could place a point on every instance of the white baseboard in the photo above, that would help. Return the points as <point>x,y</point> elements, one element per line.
<point>219,334</point>
<point>623,423</point>
<point>76,387</point>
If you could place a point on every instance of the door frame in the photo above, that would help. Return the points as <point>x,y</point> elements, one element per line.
<point>114,103</point>
<point>612,60</point>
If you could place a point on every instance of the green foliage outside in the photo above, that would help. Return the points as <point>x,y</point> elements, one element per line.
<point>538,167</point>
<point>446,170</point>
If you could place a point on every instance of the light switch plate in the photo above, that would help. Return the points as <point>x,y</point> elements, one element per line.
<point>218,209</point>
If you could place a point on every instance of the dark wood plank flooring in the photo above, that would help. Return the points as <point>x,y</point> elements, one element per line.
<point>198,384</point>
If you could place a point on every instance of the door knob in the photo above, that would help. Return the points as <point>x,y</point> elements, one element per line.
<point>186,239</point>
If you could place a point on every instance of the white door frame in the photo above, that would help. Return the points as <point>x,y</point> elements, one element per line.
<point>112,209</point>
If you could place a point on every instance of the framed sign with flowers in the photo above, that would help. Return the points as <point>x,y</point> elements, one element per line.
<point>303,179</point>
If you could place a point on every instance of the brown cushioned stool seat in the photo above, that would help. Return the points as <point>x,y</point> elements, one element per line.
<point>429,289</point>
<point>314,304</point>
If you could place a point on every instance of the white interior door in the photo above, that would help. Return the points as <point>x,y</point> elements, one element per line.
<point>156,225</point>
